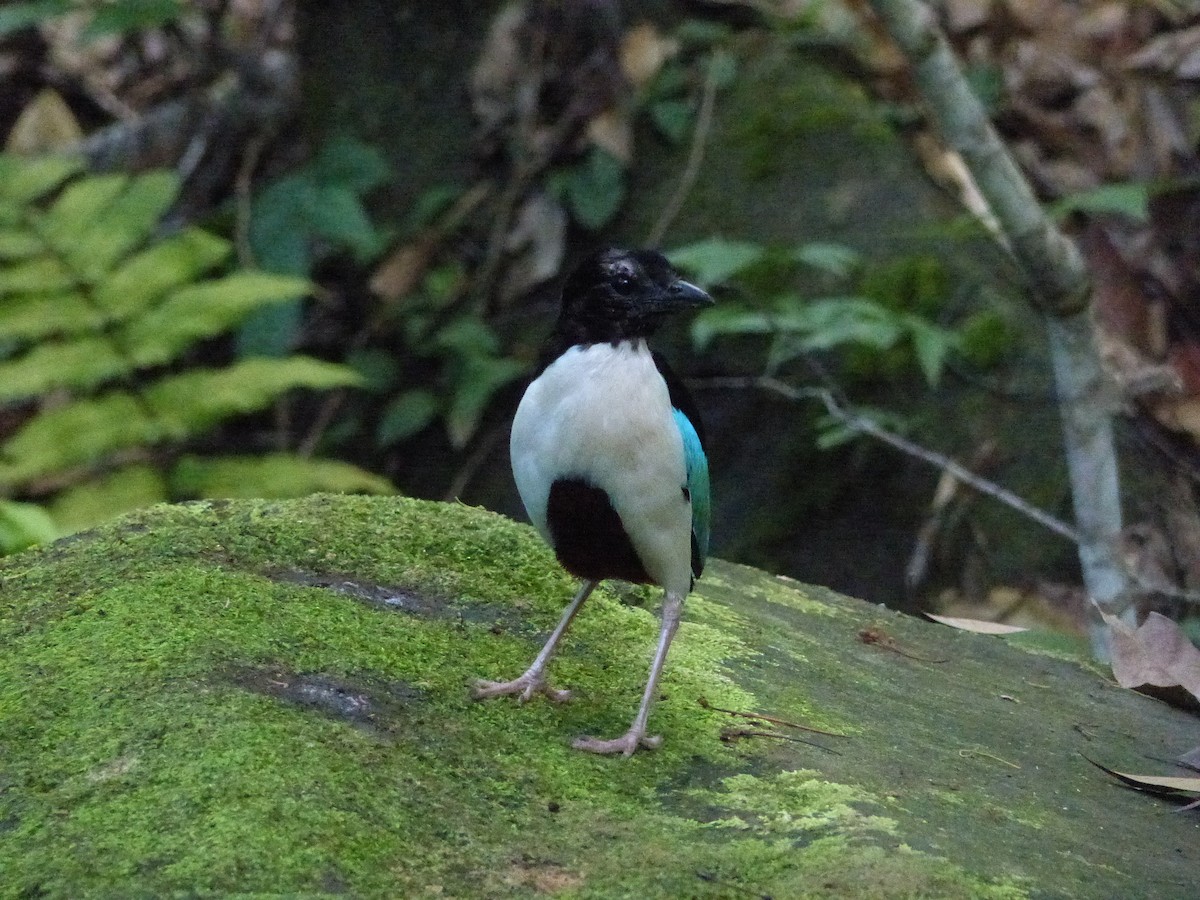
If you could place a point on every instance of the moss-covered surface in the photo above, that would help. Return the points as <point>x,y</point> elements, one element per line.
<point>272,698</point>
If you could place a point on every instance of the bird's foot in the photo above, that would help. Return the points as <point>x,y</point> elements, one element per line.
<point>525,687</point>
<point>625,744</point>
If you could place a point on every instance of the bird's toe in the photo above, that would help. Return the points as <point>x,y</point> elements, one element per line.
<point>525,687</point>
<point>626,744</point>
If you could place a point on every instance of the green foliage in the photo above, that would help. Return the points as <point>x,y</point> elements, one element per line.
<point>593,188</point>
<point>883,324</point>
<point>304,217</point>
<point>23,525</point>
<point>456,358</point>
<point>1129,199</point>
<point>716,260</point>
<point>107,17</point>
<point>99,319</point>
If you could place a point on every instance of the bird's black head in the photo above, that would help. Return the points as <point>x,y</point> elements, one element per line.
<point>617,295</point>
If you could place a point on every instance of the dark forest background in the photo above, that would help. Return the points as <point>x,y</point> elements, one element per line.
<point>264,248</point>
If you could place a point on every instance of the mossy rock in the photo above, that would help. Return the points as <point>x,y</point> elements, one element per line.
<point>272,699</point>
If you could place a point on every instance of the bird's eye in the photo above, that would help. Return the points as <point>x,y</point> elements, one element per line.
<point>623,283</point>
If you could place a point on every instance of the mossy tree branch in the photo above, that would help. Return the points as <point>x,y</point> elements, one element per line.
<point>1058,285</point>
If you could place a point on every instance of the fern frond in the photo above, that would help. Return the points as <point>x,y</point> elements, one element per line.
<point>23,181</point>
<point>80,364</point>
<point>204,310</point>
<point>123,490</point>
<point>83,432</point>
<point>40,274</point>
<point>18,243</point>
<point>148,275</point>
<point>194,401</point>
<point>128,220</point>
<point>273,475</point>
<point>27,317</point>
<point>23,525</point>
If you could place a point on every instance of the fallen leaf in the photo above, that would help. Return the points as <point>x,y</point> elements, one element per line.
<point>46,124</point>
<point>1157,654</point>
<point>978,626</point>
<point>402,271</point>
<point>1161,785</point>
<point>643,52</point>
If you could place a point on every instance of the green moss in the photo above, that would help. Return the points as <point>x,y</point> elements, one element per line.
<point>273,698</point>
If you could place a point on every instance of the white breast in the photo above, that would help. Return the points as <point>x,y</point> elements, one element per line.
<point>603,413</point>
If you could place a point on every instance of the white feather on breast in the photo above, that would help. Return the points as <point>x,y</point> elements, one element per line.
<point>603,414</point>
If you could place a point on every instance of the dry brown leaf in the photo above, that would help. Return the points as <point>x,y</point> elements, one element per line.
<point>47,123</point>
<point>536,245</point>
<point>978,626</point>
<point>1163,785</point>
<point>1157,654</point>
<point>402,271</point>
<point>643,52</point>
<point>612,131</point>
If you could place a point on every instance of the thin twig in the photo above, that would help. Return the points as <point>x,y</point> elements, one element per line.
<point>695,158</point>
<point>733,734</point>
<point>774,721</point>
<point>244,192</point>
<point>865,425</point>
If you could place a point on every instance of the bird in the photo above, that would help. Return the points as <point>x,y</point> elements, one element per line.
<point>608,454</point>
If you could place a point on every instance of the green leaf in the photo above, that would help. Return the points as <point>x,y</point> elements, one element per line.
<point>194,401</point>
<point>24,180</point>
<point>467,336</point>
<point>480,379</point>
<point>79,364</point>
<point>721,320</point>
<point>272,475</point>
<point>80,433</point>
<point>715,260</point>
<point>131,15</point>
<point>31,316</point>
<point>672,119</point>
<point>405,416</point>
<point>124,490</point>
<point>77,209</point>
<point>595,189</point>
<point>279,225</point>
<point>350,164</point>
<point>126,223</point>
<point>431,203</point>
<point>339,217</point>
<point>932,345</point>
<point>19,244</point>
<point>22,525</point>
<point>18,16</point>
<point>722,67</point>
<point>271,331</point>
<point>38,275</point>
<point>835,321</point>
<point>203,310</point>
<point>835,259</point>
<point>145,277</point>
<point>378,368</point>
<point>1128,199</point>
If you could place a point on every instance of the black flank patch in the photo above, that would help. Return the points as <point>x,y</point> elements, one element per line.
<point>589,539</point>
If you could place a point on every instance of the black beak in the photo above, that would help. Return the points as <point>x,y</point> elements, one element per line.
<point>681,295</point>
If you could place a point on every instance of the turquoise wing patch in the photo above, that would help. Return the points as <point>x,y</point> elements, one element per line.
<point>697,485</point>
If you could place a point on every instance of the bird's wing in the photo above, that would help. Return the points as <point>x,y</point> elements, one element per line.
<point>691,429</point>
<point>698,490</point>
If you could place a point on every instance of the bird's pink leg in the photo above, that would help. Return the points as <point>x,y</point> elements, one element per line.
<point>636,735</point>
<point>534,679</point>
